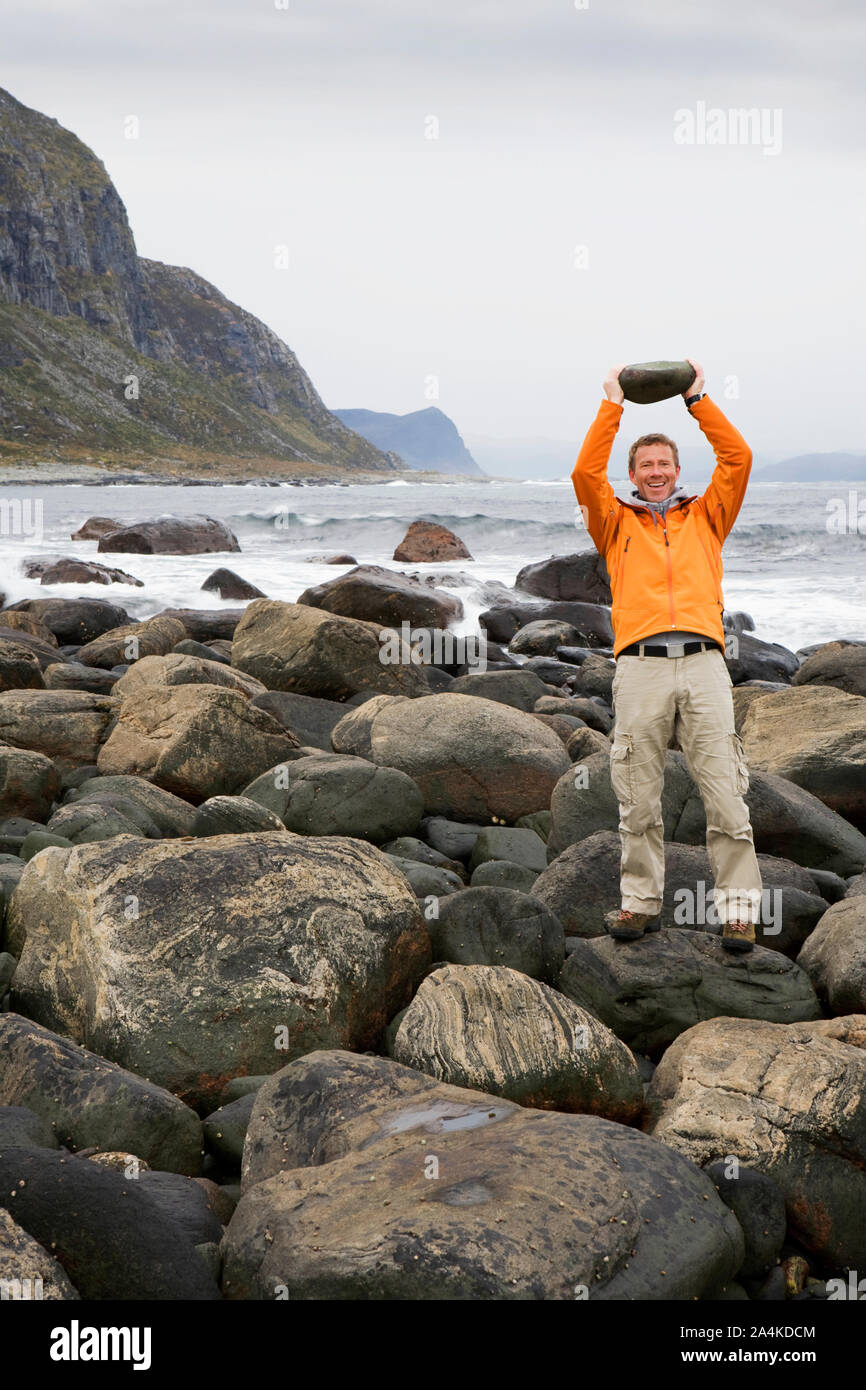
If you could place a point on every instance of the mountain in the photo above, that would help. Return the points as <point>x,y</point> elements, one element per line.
<point>102,351</point>
<point>816,468</point>
<point>424,438</point>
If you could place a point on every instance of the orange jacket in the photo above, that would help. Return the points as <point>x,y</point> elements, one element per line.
<point>665,572</point>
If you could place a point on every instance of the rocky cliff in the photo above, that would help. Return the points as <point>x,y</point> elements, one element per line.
<point>424,438</point>
<point>106,354</point>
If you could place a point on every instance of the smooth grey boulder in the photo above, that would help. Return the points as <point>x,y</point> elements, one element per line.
<point>192,961</point>
<point>233,815</point>
<point>225,1129</point>
<point>408,847</point>
<point>309,719</point>
<point>74,675</point>
<point>519,688</point>
<point>386,597</point>
<point>472,758</point>
<point>651,990</point>
<point>454,839</point>
<point>759,1206</point>
<point>519,1204</point>
<point>170,535</point>
<point>427,880</point>
<point>592,620</point>
<point>340,795</point>
<point>582,576</point>
<point>499,873</point>
<point>518,846</point>
<point>499,926</point>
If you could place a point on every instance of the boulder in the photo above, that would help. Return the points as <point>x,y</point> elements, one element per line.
<point>518,846</point>
<point>68,570</point>
<point>841,664</point>
<point>111,1239</point>
<point>495,1029</point>
<point>591,620</point>
<point>21,1128</point>
<point>210,625</point>
<point>759,1206</point>
<point>20,642</point>
<point>29,783</point>
<point>170,535</point>
<point>338,795</point>
<point>748,658</point>
<point>651,990</point>
<point>385,597</point>
<point>785,1099</point>
<point>225,1129</point>
<point>230,585</point>
<point>67,726</point>
<point>454,839</point>
<point>177,669</point>
<point>834,957</point>
<point>405,1188</point>
<point>233,815</point>
<point>74,620</point>
<point>20,621</point>
<point>27,1271</point>
<point>588,710</point>
<point>94,527</point>
<point>128,643</point>
<point>519,688</point>
<point>189,648</point>
<point>472,758</point>
<point>134,796</point>
<point>582,577</point>
<point>90,1101</point>
<point>427,880</point>
<point>426,542</point>
<point>543,638</point>
<point>72,675</point>
<point>291,646</point>
<point>499,873</point>
<point>309,719</point>
<point>499,926</point>
<point>408,847</point>
<point>583,883</point>
<point>197,741</point>
<point>815,736</point>
<point>245,950</point>
<point>19,668</point>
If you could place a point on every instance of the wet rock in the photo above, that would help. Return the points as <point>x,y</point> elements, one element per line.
<point>757,660</point>
<point>651,990</point>
<point>427,880</point>
<point>408,847</point>
<point>543,638</point>
<point>759,1207</point>
<point>72,571</point>
<point>311,720</point>
<point>518,846</point>
<point>499,873</point>
<point>73,675</point>
<point>170,535</point>
<point>225,1130</point>
<point>21,645</point>
<point>233,815</point>
<point>94,527</point>
<point>245,949</point>
<point>592,620</point>
<point>426,542</point>
<point>189,648</point>
<point>22,1128</point>
<point>74,620</point>
<point>90,1101</point>
<point>454,839</point>
<point>582,577</point>
<point>111,1239</point>
<point>135,797</point>
<point>230,585</point>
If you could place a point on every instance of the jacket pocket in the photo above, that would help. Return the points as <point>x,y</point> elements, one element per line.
<point>621,764</point>
<point>740,765</point>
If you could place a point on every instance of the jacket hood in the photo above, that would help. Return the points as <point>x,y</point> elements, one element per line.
<point>657,509</point>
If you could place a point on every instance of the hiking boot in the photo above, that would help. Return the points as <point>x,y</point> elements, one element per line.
<point>629,926</point>
<point>738,936</point>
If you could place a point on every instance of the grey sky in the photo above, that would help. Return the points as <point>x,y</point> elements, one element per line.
<point>454,258</point>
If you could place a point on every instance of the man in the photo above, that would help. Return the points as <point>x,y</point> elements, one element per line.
<point>663,556</point>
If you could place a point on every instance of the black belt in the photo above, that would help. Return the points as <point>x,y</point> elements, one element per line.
<point>684,649</point>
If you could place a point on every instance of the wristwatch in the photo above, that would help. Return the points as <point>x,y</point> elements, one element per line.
<point>690,400</point>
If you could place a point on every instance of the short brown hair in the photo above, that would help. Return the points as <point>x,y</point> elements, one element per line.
<point>652,439</point>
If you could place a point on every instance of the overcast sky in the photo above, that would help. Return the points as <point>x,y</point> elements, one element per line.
<point>457,260</point>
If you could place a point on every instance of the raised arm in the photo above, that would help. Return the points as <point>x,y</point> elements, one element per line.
<point>724,496</point>
<point>598,502</point>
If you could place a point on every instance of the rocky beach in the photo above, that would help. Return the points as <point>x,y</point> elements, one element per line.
<point>306,992</point>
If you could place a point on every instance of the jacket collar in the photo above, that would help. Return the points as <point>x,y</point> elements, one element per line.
<point>678,498</point>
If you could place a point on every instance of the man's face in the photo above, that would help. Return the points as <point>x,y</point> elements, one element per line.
<point>654,472</point>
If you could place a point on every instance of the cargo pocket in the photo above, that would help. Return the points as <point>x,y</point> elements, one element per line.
<point>621,763</point>
<point>741,766</point>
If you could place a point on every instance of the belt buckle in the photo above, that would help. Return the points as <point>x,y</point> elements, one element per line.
<point>677,649</point>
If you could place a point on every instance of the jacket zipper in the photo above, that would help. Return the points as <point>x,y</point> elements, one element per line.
<point>670,572</point>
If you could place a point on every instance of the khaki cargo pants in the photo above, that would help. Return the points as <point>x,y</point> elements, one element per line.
<point>655,697</point>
